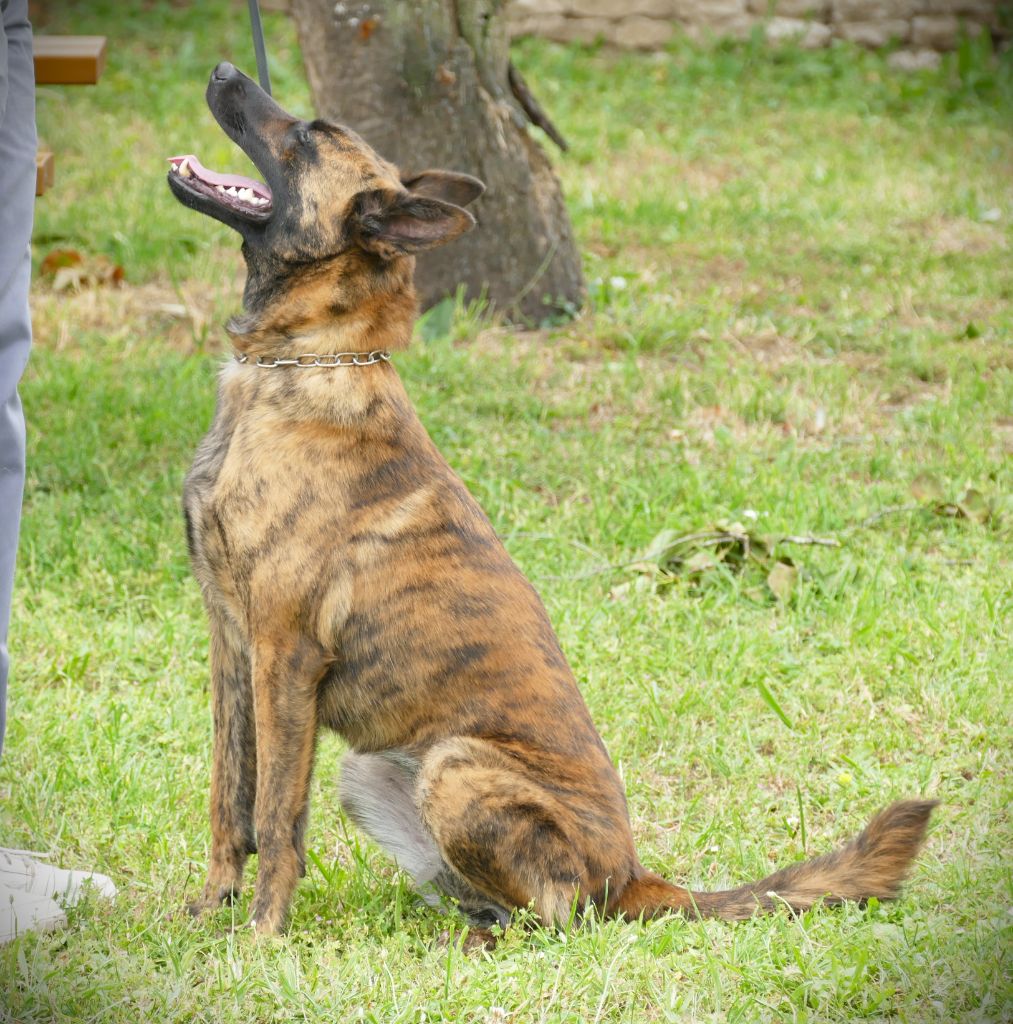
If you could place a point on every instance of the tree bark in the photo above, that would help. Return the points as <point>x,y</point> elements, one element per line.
<point>428,84</point>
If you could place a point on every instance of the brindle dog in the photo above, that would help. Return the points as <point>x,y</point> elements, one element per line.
<point>352,582</point>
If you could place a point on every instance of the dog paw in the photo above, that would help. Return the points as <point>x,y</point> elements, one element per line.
<point>266,922</point>
<point>473,941</point>
<point>200,907</point>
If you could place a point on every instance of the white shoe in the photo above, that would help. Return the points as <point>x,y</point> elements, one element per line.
<point>22,911</point>
<point>21,871</point>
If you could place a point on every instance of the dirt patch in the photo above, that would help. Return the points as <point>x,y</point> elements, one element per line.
<point>948,236</point>
<point>764,343</point>
<point>186,317</point>
<point>657,166</point>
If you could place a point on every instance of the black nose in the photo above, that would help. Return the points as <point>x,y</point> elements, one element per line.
<point>224,71</point>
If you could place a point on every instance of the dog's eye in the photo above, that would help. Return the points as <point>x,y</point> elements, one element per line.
<point>302,135</point>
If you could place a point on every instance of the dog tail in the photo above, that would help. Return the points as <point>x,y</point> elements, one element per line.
<point>873,864</point>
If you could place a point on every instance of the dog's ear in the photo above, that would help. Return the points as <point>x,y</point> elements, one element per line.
<point>459,189</point>
<point>393,223</point>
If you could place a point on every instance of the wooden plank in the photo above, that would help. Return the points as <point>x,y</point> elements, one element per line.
<point>69,60</point>
<point>45,171</point>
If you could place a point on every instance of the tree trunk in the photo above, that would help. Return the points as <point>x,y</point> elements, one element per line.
<point>428,84</point>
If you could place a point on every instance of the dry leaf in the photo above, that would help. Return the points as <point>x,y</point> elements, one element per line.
<point>925,487</point>
<point>970,504</point>
<point>72,271</point>
<point>55,259</point>
<point>782,579</point>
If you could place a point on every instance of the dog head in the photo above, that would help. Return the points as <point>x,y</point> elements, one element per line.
<point>326,195</point>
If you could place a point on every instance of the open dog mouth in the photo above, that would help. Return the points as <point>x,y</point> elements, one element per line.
<point>236,192</point>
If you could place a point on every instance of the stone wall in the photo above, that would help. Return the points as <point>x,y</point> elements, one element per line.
<point>920,26</point>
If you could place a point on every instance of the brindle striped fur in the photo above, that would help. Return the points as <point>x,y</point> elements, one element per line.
<point>352,582</point>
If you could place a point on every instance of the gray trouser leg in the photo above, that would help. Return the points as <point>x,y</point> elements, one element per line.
<point>17,198</point>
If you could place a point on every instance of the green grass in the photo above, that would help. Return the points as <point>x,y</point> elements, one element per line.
<point>800,307</point>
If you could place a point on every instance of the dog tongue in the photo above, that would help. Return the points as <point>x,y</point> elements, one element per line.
<point>216,178</point>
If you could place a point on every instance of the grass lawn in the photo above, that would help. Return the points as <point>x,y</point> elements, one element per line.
<point>800,321</point>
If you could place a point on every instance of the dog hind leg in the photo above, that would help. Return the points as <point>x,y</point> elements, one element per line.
<point>507,834</point>
<point>378,792</point>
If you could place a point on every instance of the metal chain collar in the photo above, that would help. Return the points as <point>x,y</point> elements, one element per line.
<point>311,359</point>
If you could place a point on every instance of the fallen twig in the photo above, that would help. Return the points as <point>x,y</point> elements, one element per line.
<point>715,538</point>
<point>892,510</point>
<point>823,542</point>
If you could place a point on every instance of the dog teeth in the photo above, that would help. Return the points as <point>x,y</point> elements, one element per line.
<point>246,194</point>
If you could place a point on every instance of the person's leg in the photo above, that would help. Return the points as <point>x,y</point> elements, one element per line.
<point>27,885</point>
<point>20,908</point>
<point>17,199</point>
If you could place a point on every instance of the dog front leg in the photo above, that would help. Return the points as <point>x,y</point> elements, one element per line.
<point>234,765</point>
<point>285,680</point>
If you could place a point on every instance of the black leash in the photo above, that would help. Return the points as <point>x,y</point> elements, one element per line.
<point>258,46</point>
